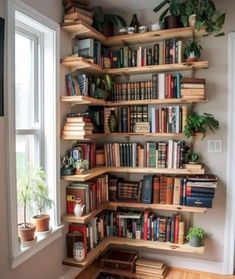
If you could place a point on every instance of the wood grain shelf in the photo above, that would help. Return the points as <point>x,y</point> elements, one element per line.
<point>119,135</point>
<point>185,66</point>
<point>100,248</point>
<point>83,100</point>
<point>102,170</point>
<point>83,30</point>
<point>86,218</point>
<point>168,207</point>
<point>82,64</point>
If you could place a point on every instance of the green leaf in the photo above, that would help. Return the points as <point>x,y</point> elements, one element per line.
<point>161,5</point>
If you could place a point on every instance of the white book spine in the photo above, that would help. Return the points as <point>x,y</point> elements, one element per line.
<point>170,154</point>
<point>161,85</point>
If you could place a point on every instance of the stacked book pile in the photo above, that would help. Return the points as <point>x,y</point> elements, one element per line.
<point>193,88</point>
<point>142,127</point>
<point>150,268</point>
<point>77,10</point>
<point>77,126</point>
<point>200,191</point>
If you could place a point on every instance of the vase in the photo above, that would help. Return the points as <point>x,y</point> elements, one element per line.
<point>112,121</point>
<point>78,251</point>
<point>135,23</point>
<point>194,241</point>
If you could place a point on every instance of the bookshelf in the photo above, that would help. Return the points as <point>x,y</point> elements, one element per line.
<point>104,244</point>
<point>86,66</point>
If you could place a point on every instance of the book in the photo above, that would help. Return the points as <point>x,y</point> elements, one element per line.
<point>198,202</point>
<point>147,189</point>
<point>169,190</point>
<point>156,189</point>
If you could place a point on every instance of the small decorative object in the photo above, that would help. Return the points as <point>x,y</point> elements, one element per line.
<point>113,122</point>
<point>193,158</point>
<point>192,20</point>
<point>122,31</point>
<point>197,123</point>
<point>134,23</point>
<point>192,51</point>
<point>142,29</point>
<point>78,251</point>
<point>68,166</point>
<point>196,236</point>
<point>155,26</point>
<point>100,161</point>
<point>81,166</point>
<point>78,208</point>
<point>130,30</point>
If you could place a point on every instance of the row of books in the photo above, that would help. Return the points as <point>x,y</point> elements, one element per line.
<point>92,194</point>
<point>171,119</point>
<point>79,126</point>
<point>152,154</point>
<point>195,191</point>
<point>165,52</point>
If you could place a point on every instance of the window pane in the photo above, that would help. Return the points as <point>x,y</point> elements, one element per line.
<point>24,75</point>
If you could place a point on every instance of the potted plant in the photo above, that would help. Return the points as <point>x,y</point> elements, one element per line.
<point>170,17</point>
<point>105,23</point>
<point>196,236</point>
<point>103,87</point>
<point>193,158</point>
<point>192,51</point>
<point>190,13</point>
<point>197,123</point>
<point>41,201</point>
<point>26,229</point>
<point>81,166</point>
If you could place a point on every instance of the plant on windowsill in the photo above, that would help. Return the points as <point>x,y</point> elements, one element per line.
<point>197,123</point>
<point>41,202</point>
<point>196,236</point>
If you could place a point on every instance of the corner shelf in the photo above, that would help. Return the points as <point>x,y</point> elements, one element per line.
<point>102,170</point>
<point>166,246</point>
<point>83,100</point>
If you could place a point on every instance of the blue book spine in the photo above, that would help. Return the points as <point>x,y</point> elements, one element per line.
<point>147,189</point>
<point>178,85</point>
<point>199,202</point>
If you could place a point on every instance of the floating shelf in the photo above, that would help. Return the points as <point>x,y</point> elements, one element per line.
<point>185,66</point>
<point>84,30</point>
<point>119,135</point>
<point>166,246</point>
<point>102,170</point>
<point>83,100</point>
<point>82,64</point>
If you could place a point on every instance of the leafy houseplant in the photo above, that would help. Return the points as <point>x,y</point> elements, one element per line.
<point>81,166</point>
<point>170,17</point>
<point>102,87</point>
<point>196,236</point>
<point>197,123</point>
<point>41,201</point>
<point>192,51</point>
<point>105,23</point>
<point>193,158</point>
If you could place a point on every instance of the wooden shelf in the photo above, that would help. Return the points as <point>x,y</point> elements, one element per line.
<point>102,170</point>
<point>168,207</point>
<point>83,100</point>
<point>86,218</point>
<point>119,135</point>
<point>83,30</point>
<point>185,66</point>
<point>166,246</point>
<point>82,64</point>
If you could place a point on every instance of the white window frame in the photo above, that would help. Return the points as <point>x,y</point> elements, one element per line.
<point>51,31</point>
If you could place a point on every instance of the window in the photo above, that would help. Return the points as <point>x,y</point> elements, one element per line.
<point>32,110</point>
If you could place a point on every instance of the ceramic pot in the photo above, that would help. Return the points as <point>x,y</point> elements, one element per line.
<point>194,241</point>
<point>26,234</point>
<point>78,251</point>
<point>41,222</point>
<point>172,22</point>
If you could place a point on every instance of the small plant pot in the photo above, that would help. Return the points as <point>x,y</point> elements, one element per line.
<point>195,241</point>
<point>79,171</point>
<point>26,233</point>
<point>171,22</point>
<point>192,57</point>
<point>41,222</point>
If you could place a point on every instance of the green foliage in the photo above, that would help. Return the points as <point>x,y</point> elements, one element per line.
<point>192,47</point>
<point>196,232</point>
<point>81,165</point>
<point>103,86</point>
<point>197,123</point>
<point>193,157</point>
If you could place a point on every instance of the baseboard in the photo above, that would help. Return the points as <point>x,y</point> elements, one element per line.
<point>71,273</point>
<point>188,263</point>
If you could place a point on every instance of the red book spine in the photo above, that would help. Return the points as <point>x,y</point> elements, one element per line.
<point>156,189</point>
<point>168,86</point>
<point>146,216</point>
<point>92,156</point>
<point>176,232</point>
<point>83,230</point>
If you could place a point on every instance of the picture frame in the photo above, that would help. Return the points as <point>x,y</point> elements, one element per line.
<point>2,24</point>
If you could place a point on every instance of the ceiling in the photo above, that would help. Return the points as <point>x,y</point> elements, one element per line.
<point>125,6</point>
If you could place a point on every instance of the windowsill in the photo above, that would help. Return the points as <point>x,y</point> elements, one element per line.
<point>27,253</point>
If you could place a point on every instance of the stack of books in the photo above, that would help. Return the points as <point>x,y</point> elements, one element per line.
<point>193,88</point>
<point>77,127</point>
<point>142,127</point>
<point>77,10</point>
<point>150,268</point>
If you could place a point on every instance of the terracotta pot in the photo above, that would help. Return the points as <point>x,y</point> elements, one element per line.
<point>26,233</point>
<point>41,222</point>
<point>172,22</point>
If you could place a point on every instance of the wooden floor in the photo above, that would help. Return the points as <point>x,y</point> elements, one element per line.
<point>174,273</point>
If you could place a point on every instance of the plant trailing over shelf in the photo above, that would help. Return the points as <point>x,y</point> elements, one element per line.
<point>197,123</point>
<point>105,23</point>
<point>192,51</point>
<point>196,236</point>
<point>103,86</point>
